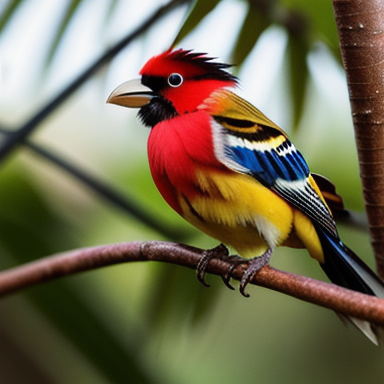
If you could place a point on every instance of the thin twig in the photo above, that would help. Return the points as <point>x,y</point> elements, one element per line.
<point>10,142</point>
<point>324,294</point>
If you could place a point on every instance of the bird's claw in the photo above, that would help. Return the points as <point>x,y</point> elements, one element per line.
<point>219,252</point>
<point>227,277</point>
<point>235,261</point>
<point>254,266</point>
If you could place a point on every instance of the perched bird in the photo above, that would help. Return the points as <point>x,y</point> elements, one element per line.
<point>231,172</point>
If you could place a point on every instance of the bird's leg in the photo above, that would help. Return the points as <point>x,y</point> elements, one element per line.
<point>220,252</point>
<point>254,266</point>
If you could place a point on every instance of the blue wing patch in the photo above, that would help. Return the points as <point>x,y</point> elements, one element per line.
<point>265,161</point>
<point>278,165</point>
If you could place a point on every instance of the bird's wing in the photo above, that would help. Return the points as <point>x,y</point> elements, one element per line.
<point>246,141</point>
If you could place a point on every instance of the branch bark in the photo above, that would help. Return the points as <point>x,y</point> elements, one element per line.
<point>360,25</point>
<point>324,294</point>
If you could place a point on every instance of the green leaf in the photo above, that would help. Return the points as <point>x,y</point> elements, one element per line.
<point>298,73</point>
<point>321,20</point>
<point>198,10</point>
<point>66,19</point>
<point>10,9</point>
<point>255,23</point>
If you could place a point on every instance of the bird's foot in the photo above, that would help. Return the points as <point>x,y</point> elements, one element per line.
<point>220,252</point>
<point>235,260</point>
<point>254,266</point>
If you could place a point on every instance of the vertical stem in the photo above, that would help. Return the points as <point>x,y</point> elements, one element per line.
<point>360,25</point>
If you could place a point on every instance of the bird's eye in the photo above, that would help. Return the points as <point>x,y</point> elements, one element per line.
<point>175,80</point>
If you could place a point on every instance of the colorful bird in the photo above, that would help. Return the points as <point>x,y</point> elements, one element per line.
<point>231,172</point>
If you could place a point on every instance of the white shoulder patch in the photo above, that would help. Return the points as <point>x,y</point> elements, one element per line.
<point>220,141</point>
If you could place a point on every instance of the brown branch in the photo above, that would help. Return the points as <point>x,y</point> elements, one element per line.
<point>360,25</point>
<point>314,291</point>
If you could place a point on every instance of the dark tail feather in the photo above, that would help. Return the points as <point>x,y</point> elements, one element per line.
<point>344,268</point>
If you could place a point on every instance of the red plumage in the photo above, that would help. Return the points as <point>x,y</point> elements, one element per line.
<point>186,138</point>
<point>189,147</point>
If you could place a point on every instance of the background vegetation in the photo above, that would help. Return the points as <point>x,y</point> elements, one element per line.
<point>155,323</point>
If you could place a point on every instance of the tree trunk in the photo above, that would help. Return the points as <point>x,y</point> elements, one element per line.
<point>360,25</point>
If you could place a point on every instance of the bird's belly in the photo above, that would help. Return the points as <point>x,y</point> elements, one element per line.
<point>238,211</point>
<point>247,241</point>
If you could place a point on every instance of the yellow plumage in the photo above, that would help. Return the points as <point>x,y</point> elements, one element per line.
<point>237,210</point>
<point>227,104</point>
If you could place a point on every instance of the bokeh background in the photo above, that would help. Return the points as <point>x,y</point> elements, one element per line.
<point>149,322</point>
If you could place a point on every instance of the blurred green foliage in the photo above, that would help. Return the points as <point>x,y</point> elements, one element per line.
<point>154,323</point>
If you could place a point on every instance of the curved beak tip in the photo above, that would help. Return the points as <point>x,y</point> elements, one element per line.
<point>131,94</point>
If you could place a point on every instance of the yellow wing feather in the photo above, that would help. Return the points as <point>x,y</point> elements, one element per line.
<point>227,104</point>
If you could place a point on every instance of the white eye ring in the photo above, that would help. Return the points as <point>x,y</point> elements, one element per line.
<point>175,80</point>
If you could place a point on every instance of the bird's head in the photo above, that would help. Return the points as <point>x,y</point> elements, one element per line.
<point>171,84</point>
